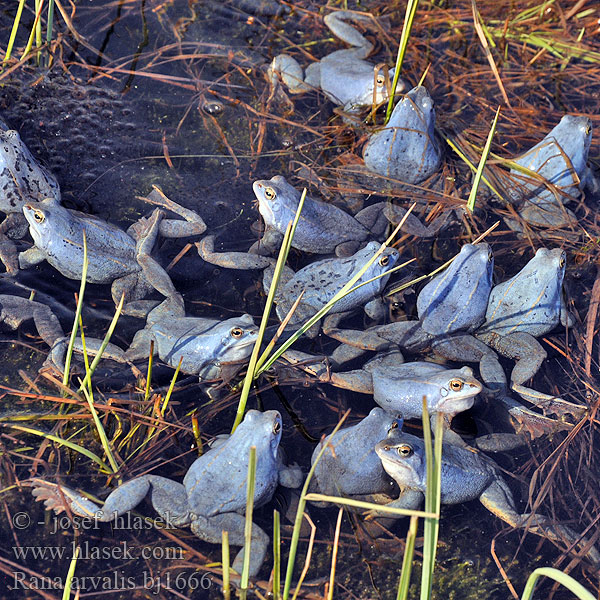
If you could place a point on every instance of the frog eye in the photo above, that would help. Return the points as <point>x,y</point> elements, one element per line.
<point>237,332</point>
<point>384,260</point>
<point>270,193</point>
<point>380,80</point>
<point>588,129</point>
<point>405,450</point>
<point>38,215</point>
<point>276,427</point>
<point>456,385</point>
<point>563,261</point>
<point>490,255</point>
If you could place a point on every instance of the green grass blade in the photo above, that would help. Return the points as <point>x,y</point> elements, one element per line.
<point>61,442</point>
<point>571,584</point>
<point>77,315</point>
<point>113,324</point>
<point>71,572</point>
<point>101,432</point>
<point>225,561</point>
<point>251,374</point>
<point>400,512</point>
<point>149,373</point>
<point>13,32</point>
<point>411,9</point>
<point>482,161</point>
<point>276,555</point>
<point>248,527</point>
<point>471,166</point>
<point>409,551</point>
<point>432,501</point>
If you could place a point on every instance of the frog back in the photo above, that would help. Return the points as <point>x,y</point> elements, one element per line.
<point>216,482</point>
<point>22,178</point>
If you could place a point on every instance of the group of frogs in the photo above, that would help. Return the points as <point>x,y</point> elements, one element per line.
<point>462,317</point>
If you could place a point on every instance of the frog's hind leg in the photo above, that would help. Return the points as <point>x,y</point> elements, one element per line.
<point>209,530</point>
<point>176,228</point>
<point>336,22</point>
<point>286,69</point>
<point>231,260</point>
<point>498,499</point>
<point>57,356</point>
<point>140,346</point>
<point>47,324</point>
<point>156,276</point>
<point>529,356</point>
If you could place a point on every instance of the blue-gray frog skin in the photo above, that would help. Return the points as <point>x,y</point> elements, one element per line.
<point>466,475</point>
<point>208,348</point>
<point>406,148</point>
<point>212,497</point>
<point>532,301</point>
<point>322,227</point>
<point>22,178</point>
<point>401,389</point>
<point>457,298</point>
<point>344,76</point>
<point>322,280</point>
<point>561,159</point>
<point>114,256</point>
<point>349,465</point>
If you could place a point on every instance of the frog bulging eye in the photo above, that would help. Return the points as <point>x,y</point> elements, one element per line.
<point>270,193</point>
<point>456,385</point>
<point>384,260</point>
<point>276,427</point>
<point>588,129</point>
<point>380,80</point>
<point>563,260</point>
<point>405,450</point>
<point>39,217</point>
<point>237,332</point>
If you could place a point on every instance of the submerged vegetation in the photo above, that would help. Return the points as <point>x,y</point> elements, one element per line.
<point>204,124</point>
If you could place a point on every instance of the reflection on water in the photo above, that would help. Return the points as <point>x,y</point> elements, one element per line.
<point>176,96</point>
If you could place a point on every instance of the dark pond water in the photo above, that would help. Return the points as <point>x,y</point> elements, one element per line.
<point>133,107</point>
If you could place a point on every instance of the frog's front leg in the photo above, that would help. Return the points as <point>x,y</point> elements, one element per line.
<point>193,224</point>
<point>210,530</point>
<point>408,500</point>
<point>31,257</point>
<point>269,244</point>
